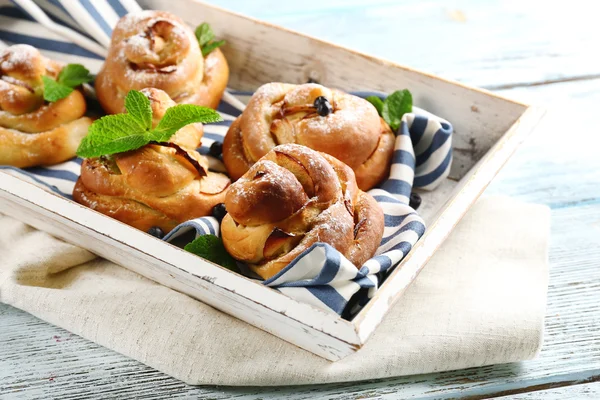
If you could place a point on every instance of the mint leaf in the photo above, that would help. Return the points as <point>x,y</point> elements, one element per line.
<point>179,116</point>
<point>138,106</point>
<point>112,134</point>
<point>211,248</point>
<point>205,36</point>
<point>54,91</point>
<point>119,133</point>
<point>73,75</point>
<point>211,46</point>
<point>377,103</point>
<point>395,106</point>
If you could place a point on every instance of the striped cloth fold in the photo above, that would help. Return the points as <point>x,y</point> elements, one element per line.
<point>79,31</point>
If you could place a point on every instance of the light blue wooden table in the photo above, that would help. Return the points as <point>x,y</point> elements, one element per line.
<point>536,51</point>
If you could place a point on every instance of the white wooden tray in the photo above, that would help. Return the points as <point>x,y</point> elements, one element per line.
<point>488,129</point>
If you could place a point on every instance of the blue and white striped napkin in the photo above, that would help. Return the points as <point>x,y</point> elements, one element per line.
<point>78,31</point>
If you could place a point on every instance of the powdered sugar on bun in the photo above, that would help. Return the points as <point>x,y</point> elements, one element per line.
<point>34,132</point>
<point>289,200</point>
<point>278,113</point>
<point>157,49</point>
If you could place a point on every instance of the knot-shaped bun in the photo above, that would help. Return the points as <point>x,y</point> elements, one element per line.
<point>33,132</point>
<point>292,198</point>
<point>351,130</point>
<point>155,185</point>
<point>157,49</point>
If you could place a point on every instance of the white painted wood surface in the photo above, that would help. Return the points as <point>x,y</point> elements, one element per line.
<point>322,333</point>
<point>490,127</point>
<point>559,167</point>
<point>582,391</point>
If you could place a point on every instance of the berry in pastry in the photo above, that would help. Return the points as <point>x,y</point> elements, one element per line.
<point>327,120</point>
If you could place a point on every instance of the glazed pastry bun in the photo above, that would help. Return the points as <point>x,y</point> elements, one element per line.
<point>32,131</point>
<point>342,125</point>
<point>157,49</point>
<point>156,185</point>
<point>292,198</point>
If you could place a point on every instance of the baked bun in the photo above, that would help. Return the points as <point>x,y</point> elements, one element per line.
<point>32,131</point>
<point>292,198</point>
<point>157,49</point>
<point>156,185</point>
<point>348,128</point>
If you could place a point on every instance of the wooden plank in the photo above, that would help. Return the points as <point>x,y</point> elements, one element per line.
<point>581,391</point>
<point>467,40</point>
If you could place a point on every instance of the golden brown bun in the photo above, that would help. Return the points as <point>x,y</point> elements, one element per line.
<point>157,49</point>
<point>154,185</point>
<point>292,198</point>
<point>281,113</point>
<point>33,132</point>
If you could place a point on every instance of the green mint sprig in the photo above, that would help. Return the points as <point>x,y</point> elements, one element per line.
<point>124,132</point>
<point>206,36</point>
<point>393,107</point>
<point>71,76</point>
<point>211,248</point>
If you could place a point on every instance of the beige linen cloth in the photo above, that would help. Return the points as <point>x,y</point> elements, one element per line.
<point>479,301</point>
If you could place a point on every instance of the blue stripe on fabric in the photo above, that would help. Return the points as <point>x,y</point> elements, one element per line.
<point>59,5</point>
<point>53,173</point>
<point>18,12</point>
<point>213,136</point>
<point>211,228</point>
<point>365,94</point>
<point>221,123</point>
<point>404,247</point>
<point>415,226</point>
<point>48,44</point>
<point>417,129</point>
<point>295,261</point>
<point>99,18</point>
<point>439,138</point>
<point>394,220</point>
<point>364,282</point>
<point>329,296</point>
<point>118,7</point>
<point>38,180</point>
<point>329,270</point>
<point>15,12</point>
<point>398,187</point>
<point>204,150</point>
<point>228,109</point>
<point>424,180</point>
<point>331,267</point>
<point>403,157</point>
<point>387,199</point>
<point>384,261</point>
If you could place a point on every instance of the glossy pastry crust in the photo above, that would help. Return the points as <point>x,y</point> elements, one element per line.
<point>157,49</point>
<point>293,198</point>
<point>281,113</point>
<point>154,185</point>
<point>32,131</point>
